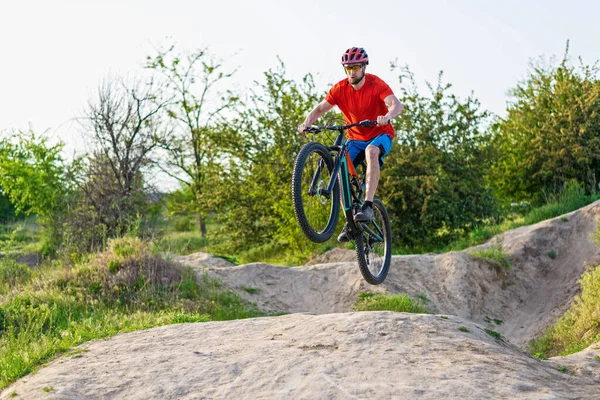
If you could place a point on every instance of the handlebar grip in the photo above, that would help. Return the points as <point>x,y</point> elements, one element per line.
<point>367,122</point>
<point>312,129</point>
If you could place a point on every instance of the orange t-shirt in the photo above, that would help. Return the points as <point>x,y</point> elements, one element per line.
<point>364,103</point>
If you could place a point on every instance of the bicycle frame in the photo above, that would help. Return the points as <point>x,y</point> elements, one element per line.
<point>344,170</point>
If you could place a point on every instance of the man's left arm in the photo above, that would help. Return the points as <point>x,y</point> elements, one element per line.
<point>394,109</point>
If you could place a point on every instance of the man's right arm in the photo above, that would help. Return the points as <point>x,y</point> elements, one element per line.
<point>312,116</point>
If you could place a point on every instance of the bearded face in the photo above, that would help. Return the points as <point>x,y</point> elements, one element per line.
<point>355,72</point>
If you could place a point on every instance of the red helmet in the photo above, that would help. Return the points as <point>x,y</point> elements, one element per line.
<point>355,55</point>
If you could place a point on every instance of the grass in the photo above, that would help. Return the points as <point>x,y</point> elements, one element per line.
<point>494,254</point>
<point>464,329</point>
<point>494,320</point>
<point>59,307</point>
<point>579,327</point>
<point>250,290</point>
<point>368,301</point>
<point>493,334</point>
<point>423,297</point>
<point>276,253</point>
<point>182,243</point>
<point>12,273</point>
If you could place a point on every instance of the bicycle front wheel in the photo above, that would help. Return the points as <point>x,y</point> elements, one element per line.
<point>316,212</point>
<point>374,246</point>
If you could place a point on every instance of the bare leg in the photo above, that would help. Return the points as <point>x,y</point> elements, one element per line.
<point>372,157</point>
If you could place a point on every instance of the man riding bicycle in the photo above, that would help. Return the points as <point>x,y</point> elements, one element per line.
<point>362,97</point>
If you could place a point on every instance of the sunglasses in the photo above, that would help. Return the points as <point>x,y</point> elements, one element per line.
<point>354,68</point>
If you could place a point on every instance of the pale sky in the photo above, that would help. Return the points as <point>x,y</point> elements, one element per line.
<point>55,52</point>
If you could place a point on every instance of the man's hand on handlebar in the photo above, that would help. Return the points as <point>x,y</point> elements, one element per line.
<point>382,120</point>
<point>302,127</point>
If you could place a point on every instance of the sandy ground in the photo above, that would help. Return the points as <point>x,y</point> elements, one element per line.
<point>374,355</point>
<point>323,350</point>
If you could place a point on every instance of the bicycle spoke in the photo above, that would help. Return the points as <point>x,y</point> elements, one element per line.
<point>317,207</point>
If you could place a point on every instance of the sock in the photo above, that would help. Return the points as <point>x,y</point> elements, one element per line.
<point>367,204</point>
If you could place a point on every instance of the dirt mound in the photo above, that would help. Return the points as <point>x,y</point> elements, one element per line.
<point>202,260</point>
<point>318,289</point>
<point>334,255</point>
<point>376,355</point>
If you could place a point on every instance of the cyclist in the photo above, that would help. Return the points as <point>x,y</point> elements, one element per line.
<point>360,97</point>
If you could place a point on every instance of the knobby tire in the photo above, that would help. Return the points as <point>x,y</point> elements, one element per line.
<point>365,259</point>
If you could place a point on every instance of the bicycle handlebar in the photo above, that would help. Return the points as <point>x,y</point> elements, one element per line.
<point>317,129</point>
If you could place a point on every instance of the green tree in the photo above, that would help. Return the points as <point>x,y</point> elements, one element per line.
<point>551,133</point>
<point>256,201</point>
<point>433,181</point>
<point>197,112</point>
<point>33,175</point>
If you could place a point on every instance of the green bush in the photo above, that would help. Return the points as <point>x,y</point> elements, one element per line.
<point>7,210</point>
<point>434,179</point>
<point>550,133</point>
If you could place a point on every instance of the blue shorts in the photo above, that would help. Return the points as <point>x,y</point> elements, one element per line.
<point>356,148</point>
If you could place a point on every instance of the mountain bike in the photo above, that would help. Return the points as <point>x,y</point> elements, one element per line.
<point>318,171</point>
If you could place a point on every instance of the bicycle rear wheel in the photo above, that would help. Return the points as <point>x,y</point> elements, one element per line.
<point>374,248</point>
<point>316,213</point>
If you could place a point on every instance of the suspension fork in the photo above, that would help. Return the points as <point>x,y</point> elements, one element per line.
<point>334,173</point>
<point>313,184</point>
